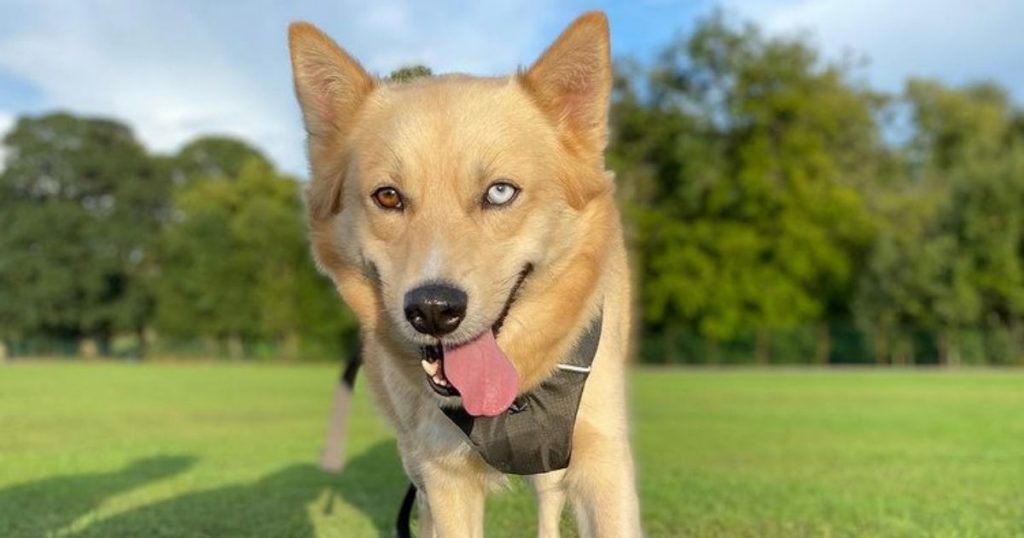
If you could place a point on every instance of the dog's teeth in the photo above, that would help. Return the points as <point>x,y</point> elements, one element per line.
<point>440,381</point>
<point>429,367</point>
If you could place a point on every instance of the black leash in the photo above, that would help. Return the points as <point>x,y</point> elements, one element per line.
<point>355,360</point>
<point>402,524</point>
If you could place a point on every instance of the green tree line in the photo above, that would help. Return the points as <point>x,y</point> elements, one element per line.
<point>778,210</point>
<point>107,249</point>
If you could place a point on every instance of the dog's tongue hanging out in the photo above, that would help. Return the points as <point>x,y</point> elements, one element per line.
<point>483,376</point>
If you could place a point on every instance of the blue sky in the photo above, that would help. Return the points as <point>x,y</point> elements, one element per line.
<point>174,70</point>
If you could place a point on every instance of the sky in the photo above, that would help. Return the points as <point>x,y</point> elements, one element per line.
<point>177,70</point>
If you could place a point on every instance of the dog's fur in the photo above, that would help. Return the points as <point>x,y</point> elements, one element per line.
<point>442,141</point>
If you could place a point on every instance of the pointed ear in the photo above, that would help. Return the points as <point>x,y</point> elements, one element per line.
<point>330,86</point>
<point>572,81</point>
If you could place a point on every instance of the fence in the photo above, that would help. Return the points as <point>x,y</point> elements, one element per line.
<point>132,347</point>
<point>836,343</point>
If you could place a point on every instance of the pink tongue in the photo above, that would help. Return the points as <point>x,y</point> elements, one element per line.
<point>483,375</point>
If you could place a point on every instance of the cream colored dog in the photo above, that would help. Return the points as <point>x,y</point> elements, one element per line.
<point>474,217</point>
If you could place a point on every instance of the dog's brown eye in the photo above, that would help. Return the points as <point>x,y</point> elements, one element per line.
<point>388,198</point>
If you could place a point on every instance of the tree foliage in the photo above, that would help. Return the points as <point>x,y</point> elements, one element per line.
<point>745,156</point>
<point>103,239</point>
<point>81,204</point>
<point>412,72</point>
<point>235,266</point>
<point>949,260</point>
<point>213,157</point>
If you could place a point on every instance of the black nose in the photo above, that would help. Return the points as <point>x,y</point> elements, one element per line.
<point>435,309</point>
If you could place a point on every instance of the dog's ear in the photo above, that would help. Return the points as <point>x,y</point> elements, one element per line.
<point>329,83</point>
<point>330,86</point>
<point>572,81</point>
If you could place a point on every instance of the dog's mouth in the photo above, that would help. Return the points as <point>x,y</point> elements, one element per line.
<point>476,370</point>
<point>433,366</point>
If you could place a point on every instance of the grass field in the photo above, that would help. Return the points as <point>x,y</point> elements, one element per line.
<point>229,450</point>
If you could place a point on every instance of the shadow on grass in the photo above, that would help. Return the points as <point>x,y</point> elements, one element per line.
<point>374,483</point>
<point>43,507</point>
<point>279,505</point>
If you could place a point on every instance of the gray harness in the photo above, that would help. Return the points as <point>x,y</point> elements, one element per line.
<point>535,434</point>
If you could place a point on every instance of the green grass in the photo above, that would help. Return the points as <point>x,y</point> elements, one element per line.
<point>229,450</point>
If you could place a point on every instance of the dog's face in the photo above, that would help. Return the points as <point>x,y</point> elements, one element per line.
<point>432,201</point>
<point>450,186</point>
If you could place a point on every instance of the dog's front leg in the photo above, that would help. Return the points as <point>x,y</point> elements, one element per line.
<point>550,490</point>
<point>454,495</point>
<point>602,484</point>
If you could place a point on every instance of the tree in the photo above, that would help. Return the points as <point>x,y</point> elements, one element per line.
<point>949,258</point>
<point>210,157</point>
<point>80,206</point>
<point>235,266</point>
<point>747,216</point>
<point>413,72</point>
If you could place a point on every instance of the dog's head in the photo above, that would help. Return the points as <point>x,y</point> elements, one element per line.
<point>431,202</point>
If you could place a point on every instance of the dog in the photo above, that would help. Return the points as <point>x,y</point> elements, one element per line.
<point>471,225</point>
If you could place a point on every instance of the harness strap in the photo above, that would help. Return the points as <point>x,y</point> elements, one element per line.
<point>535,435</point>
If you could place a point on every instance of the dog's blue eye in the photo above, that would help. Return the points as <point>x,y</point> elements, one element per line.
<point>500,193</point>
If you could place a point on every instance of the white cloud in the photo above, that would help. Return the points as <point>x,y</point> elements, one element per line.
<point>954,40</point>
<point>177,70</point>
